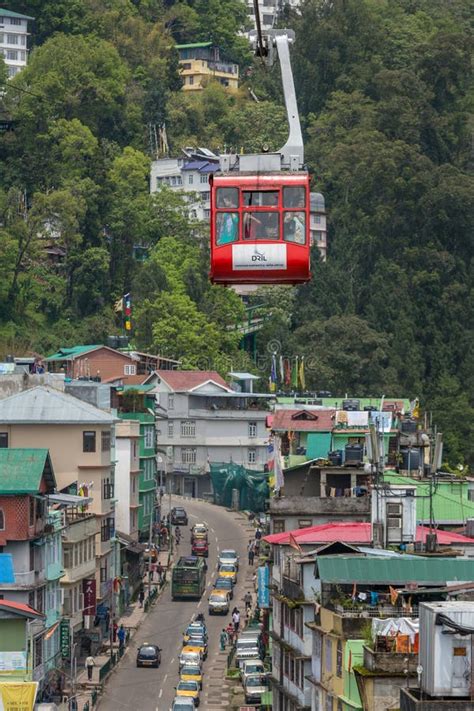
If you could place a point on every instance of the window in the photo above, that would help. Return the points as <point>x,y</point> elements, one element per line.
<point>339,658</point>
<point>328,654</point>
<point>13,71</point>
<point>179,180</point>
<point>106,530</point>
<point>2,520</point>
<point>204,179</point>
<point>88,441</point>
<point>188,455</point>
<point>149,437</point>
<point>206,195</point>
<point>170,401</point>
<point>12,54</point>
<point>252,429</point>
<point>267,198</point>
<point>227,227</point>
<point>294,226</point>
<point>105,441</point>
<point>3,440</point>
<point>294,197</point>
<point>15,20</point>
<point>304,522</point>
<point>22,55</point>
<point>12,39</point>
<point>317,219</point>
<point>227,197</point>
<point>252,455</point>
<point>188,428</point>
<point>207,214</point>
<point>190,179</point>
<point>129,369</point>
<point>103,573</point>
<point>261,225</point>
<point>170,428</point>
<point>23,40</point>
<point>190,81</point>
<point>67,556</point>
<point>329,702</point>
<point>279,525</point>
<point>107,489</point>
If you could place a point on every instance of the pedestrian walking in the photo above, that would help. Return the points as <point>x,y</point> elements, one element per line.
<point>141,597</point>
<point>236,620</point>
<point>160,571</point>
<point>257,548</point>
<point>223,640</point>
<point>248,600</point>
<point>121,634</point>
<point>90,664</point>
<point>114,631</point>
<point>258,534</point>
<point>251,552</point>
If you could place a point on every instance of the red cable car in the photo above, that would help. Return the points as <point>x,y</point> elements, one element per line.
<point>260,228</point>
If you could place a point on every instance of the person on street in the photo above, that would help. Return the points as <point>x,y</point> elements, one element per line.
<point>121,634</point>
<point>114,631</point>
<point>251,551</point>
<point>257,548</point>
<point>258,534</point>
<point>141,597</point>
<point>248,600</point>
<point>90,664</point>
<point>177,535</point>
<point>236,619</point>
<point>223,640</point>
<point>159,571</point>
<point>230,633</point>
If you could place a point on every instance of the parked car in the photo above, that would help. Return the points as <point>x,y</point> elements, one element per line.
<point>190,655</point>
<point>219,603</point>
<point>198,641</point>
<point>182,703</point>
<point>192,672</point>
<point>189,690</point>
<point>228,556</point>
<point>200,546</point>
<point>148,655</point>
<point>225,584</point>
<point>255,685</point>
<point>247,648</point>
<point>228,570</point>
<point>179,517</point>
<point>251,666</point>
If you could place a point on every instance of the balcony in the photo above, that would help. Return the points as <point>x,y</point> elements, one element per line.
<point>292,589</point>
<point>79,528</point>
<point>369,611</point>
<point>315,505</point>
<point>389,662</point>
<point>77,572</point>
<point>25,580</point>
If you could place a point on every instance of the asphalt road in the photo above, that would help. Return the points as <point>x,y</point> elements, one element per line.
<point>153,689</point>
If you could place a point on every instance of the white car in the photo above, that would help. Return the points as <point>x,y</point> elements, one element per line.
<point>251,666</point>
<point>228,556</point>
<point>255,685</point>
<point>181,703</point>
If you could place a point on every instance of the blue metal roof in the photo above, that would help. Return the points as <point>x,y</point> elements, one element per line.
<point>7,574</point>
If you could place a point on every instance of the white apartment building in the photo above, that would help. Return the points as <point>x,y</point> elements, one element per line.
<point>203,421</point>
<point>190,176</point>
<point>127,477</point>
<point>318,223</point>
<point>269,11</point>
<point>14,40</point>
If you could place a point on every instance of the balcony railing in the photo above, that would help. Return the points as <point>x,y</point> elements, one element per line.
<point>374,611</point>
<point>292,589</point>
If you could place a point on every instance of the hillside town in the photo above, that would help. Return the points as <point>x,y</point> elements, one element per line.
<point>236,372</point>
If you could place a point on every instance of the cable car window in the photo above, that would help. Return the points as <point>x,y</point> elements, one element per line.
<point>227,197</point>
<point>294,224</point>
<point>254,198</point>
<point>294,196</point>
<point>261,225</point>
<point>227,227</point>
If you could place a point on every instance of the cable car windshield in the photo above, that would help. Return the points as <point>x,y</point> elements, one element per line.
<point>254,198</point>
<point>261,225</point>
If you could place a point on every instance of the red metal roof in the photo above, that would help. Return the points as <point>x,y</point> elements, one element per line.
<point>189,379</point>
<point>291,420</point>
<point>352,532</point>
<point>20,607</point>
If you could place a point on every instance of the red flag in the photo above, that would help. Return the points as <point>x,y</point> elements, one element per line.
<point>294,544</point>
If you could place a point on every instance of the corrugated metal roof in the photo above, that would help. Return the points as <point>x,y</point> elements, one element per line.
<point>389,571</point>
<point>22,469</point>
<point>10,13</point>
<point>185,380</point>
<point>7,573</point>
<point>44,405</point>
<point>194,45</point>
<point>72,352</point>
<point>303,420</point>
<point>19,607</point>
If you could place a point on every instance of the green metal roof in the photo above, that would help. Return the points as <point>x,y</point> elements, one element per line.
<point>450,502</point>
<point>336,402</point>
<point>140,388</point>
<point>71,353</point>
<point>21,471</point>
<point>10,13</point>
<point>393,571</point>
<point>194,45</point>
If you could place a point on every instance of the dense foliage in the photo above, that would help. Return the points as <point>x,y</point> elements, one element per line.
<point>385,92</point>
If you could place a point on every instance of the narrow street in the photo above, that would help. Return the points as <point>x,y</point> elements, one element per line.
<point>153,689</point>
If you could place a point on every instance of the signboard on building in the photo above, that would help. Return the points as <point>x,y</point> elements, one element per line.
<point>90,596</point>
<point>12,662</point>
<point>18,696</point>
<point>263,589</point>
<point>65,638</point>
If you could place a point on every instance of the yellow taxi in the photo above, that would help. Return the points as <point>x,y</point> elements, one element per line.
<point>228,570</point>
<point>190,689</point>
<point>190,655</point>
<point>192,672</point>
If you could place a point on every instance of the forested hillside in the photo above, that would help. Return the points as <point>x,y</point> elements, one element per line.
<point>386,99</point>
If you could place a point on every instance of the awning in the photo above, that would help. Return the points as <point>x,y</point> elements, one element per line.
<point>70,499</point>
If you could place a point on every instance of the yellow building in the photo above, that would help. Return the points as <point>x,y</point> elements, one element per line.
<point>200,62</point>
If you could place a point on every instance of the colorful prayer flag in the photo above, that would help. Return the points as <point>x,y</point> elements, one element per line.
<point>301,374</point>
<point>118,306</point>
<point>287,372</point>
<point>273,374</point>
<point>294,374</point>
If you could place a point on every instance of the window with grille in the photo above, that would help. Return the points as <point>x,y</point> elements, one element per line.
<point>188,455</point>
<point>279,525</point>
<point>188,428</point>
<point>252,456</point>
<point>105,441</point>
<point>204,179</point>
<point>339,658</point>
<point>252,429</point>
<point>107,489</point>
<point>170,428</point>
<point>171,401</point>
<point>88,441</point>
<point>149,437</point>
<point>129,369</point>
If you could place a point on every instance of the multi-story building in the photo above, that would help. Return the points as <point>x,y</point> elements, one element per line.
<point>14,40</point>
<point>205,422</point>
<point>318,223</point>
<point>201,62</point>
<point>137,404</point>
<point>127,477</point>
<point>32,536</point>
<point>80,438</point>
<point>21,631</point>
<point>188,175</point>
<point>270,11</point>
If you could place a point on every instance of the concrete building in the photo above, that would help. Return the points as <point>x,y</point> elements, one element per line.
<point>201,62</point>
<point>79,438</point>
<point>127,477</point>
<point>204,421</point>
<point>318,223</point>
<point>270,11</point>
<point>188,175</point>
<point>21,627</point>
<point>14,40</point>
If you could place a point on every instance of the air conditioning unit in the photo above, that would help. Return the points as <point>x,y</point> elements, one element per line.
<point>394,522</point>
<point>394,509</point>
